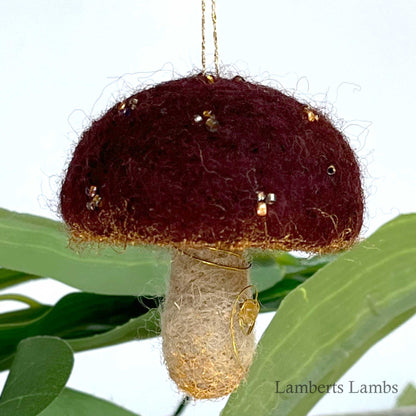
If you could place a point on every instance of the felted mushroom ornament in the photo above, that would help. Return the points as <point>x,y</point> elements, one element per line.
<point>211,166</point>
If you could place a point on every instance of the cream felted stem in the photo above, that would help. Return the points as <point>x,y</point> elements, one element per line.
<point>197,338</point>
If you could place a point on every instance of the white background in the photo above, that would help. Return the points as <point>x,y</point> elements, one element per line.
<point>64,62</point>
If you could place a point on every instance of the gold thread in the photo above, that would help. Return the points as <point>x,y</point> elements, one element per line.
<point>214,35</point>
<point>212,263</point>
<point>221,250</point>
<point>203,38</point>
<point>234,311</point>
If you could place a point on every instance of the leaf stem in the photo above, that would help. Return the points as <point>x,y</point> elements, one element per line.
<point>182,405</point>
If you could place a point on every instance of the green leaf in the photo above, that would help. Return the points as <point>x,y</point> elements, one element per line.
<point>81,316</point>
<point>11,277</point>
<point>285,272</point>
<point>328,322</point>
<point>74,403</point>
<point>22,315</point>
<point>265,274</point>
<point>39,246</point>
<point>142,327</point>
<point>271,298</point>
<point>271,267</point>
<point>39,373</point>
<point>407,397</point>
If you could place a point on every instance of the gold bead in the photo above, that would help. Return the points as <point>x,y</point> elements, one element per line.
<point>238,78</point>
<point>270,198</point>
<point>261,196</point>
<point>311,115</point>
<point>97,200</point>
<point>331,170</point>
<point>94,203</point>
<point>261,209</point>
<point>133,103</point>
<point>91,191</point>
<point>210,79</point>
<point>212,124</point>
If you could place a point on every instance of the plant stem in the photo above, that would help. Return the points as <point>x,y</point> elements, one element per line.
<point>20,298</point>
<point>182,406</point>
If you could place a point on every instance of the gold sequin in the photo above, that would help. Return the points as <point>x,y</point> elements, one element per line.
<point>247,315</point>
<point>248,311</point>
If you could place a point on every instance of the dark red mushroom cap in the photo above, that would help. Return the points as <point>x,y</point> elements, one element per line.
<point>211,161</point>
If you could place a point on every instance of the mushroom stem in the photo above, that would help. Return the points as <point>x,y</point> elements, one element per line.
<point>206,351</point>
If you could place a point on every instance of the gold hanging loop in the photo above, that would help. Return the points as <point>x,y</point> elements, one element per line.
<point>203,38</point>
<point>214,35</point>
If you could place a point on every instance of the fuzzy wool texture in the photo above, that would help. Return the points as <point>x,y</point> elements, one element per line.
<point>197,339</point>
<point>182,163</point>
